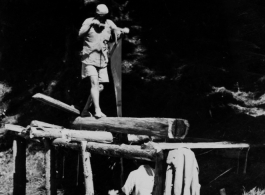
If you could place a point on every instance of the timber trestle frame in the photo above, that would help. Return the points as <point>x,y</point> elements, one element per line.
<point>98,142</point>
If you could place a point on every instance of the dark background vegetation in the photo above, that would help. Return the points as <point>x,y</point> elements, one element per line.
<point>176,52</point>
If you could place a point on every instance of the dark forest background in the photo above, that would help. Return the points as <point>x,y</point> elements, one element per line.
<point>203,61</point>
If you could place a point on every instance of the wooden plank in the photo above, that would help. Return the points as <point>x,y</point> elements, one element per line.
<point>205,145</point>
<point>139,139</point>
<point>19,172</point>
<point>161,127</point>
<point>50,172</point>
<point>125,151</point>
<point>55,103</point>
<point>88,176</point>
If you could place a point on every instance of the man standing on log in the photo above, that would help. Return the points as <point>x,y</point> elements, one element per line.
<point>96,32</point>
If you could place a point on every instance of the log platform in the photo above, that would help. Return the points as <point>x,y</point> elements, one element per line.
<point>89,142</point>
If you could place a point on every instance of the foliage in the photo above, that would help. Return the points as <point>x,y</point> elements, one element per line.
<point>255,191</point>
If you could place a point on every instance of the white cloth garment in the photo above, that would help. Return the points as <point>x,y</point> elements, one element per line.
<point>183,163</point>
<point>140,181</point>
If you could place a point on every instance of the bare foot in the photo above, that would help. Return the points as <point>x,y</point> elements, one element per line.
<point>99,114</point>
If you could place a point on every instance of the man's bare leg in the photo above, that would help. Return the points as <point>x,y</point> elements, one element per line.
<point>95,96</point>
<point>89,102</point>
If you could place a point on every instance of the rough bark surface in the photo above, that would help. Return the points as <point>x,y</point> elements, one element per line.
<point>126,151</point>
<point>74,135</point>
<point>160,127</point>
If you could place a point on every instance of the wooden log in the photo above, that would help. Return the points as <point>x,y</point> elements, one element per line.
<point>41,124</point>
<point>16,128</point>
<point>139,139</point>
<point>160,127</point>
<point>41,129</point>
<point>19,171</point>
<point>206,145</point>
<point>88,176</point>
<point>50,172</point>
<point>74,135</point>
<point>56,103</point>
<point>126,151</point>
<point>133,139</point>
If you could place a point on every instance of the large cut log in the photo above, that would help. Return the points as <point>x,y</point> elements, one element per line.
<point>160,127</point>
<point>55,103</point>
<point>74,135</point>
<point>126,151</point>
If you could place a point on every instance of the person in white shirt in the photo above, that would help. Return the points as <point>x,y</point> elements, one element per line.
<point>139,182</point>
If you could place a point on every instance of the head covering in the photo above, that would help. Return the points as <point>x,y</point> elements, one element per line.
<point>102,9</point>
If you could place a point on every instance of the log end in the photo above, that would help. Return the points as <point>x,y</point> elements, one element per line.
<point>37,95</point>
<point>178,128</point>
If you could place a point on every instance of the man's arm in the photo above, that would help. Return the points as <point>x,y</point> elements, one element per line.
<point>129,184</point>
<point>85,27</point>
<point>117,31</point>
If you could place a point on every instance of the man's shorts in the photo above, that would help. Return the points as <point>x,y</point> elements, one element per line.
<point>90,70</point>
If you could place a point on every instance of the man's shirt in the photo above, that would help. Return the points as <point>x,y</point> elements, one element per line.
<point>96,42</point>
<point>140,181</point>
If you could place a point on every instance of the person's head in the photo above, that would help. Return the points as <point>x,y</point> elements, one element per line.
<point>139,162</point>
<point>102,11</point>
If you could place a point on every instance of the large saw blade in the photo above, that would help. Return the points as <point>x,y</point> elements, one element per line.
<point>115,63</point>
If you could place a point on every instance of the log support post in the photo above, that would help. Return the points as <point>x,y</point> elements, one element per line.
<point>87,169</point>
<point>50,172</point>
<point>122,173</point>
<point>159,173</point>
<point>19,156</point>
